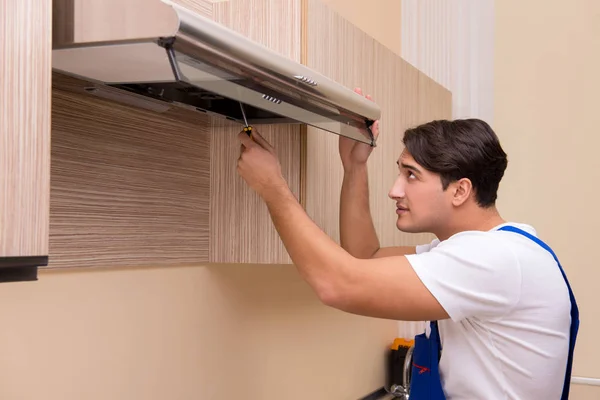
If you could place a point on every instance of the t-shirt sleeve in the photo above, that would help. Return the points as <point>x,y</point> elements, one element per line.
<point>472,274</point>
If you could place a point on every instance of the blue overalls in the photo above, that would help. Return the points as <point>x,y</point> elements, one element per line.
<point>425,381</point>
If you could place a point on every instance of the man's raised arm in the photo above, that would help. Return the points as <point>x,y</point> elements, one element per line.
<point>357,232</point>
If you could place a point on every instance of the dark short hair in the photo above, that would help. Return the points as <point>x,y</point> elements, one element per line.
<point>464,148</point>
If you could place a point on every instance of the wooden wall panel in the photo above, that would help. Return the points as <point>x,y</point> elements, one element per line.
<point>340,51</point>
<point>25,64</point>
<point>129,187</point>
<point>202,7</point>
<point>241,227</point>
<point>379,19</point>
<point>273,23</point>
<point>407,97</point>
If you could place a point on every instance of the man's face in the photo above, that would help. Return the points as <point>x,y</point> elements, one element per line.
<point>421,203</point>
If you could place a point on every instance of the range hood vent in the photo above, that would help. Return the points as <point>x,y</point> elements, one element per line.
<point>193,62</point>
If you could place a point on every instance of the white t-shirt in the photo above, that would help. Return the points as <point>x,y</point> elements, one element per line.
<point>508,332</point>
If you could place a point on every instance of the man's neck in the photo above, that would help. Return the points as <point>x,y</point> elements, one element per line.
<point>474,219</point>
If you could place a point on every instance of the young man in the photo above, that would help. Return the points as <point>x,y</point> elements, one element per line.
<point>500,298</point>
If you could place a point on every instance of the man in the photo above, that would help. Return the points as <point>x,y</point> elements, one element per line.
<point>501,301</point>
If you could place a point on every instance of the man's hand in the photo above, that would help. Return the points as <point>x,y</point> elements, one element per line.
<point>353,152</point>
<point>258,164</point>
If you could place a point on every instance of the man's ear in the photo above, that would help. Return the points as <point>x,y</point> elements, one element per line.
<point>462,190</point>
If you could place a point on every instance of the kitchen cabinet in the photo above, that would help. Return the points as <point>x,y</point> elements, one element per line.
<point>407,97</point>
<point>382,22</point>
<point>130,186</point>
<point>142,184</point>
<point>25,54</point>
<point>240,225</point>
<point>123,194</point>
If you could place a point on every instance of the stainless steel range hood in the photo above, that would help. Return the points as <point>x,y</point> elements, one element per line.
<point>187,60</point>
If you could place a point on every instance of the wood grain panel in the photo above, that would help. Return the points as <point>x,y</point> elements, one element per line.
<point>166,110</point>
<point>240,225</point>
<point>25,65</point>
<point>129,187</point>
<point>273,23</point>
<point>241,229</point>
<point>202,7</point>
<point>379,19</point>
<point>407,97</point>
<point>343,53</point>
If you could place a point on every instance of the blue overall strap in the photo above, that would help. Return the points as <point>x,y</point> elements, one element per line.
<point>425,381</point>
<point>574,308</point>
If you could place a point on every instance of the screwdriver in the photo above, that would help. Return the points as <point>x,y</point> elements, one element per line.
<point>247,128</point>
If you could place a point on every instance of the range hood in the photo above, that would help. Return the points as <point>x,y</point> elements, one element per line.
<point>185,59</point>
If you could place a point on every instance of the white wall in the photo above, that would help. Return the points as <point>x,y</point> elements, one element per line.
<point>452,41</point>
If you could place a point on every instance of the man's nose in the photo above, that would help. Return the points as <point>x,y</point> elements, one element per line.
<point>397,190</point>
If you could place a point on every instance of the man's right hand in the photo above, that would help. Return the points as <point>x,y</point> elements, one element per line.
<point>353,152</point>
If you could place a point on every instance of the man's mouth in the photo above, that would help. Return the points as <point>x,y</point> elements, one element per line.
<point>401,209</point>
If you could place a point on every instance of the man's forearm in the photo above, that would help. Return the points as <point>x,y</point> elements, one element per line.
<point>321,261</point>
<point>357,232</point>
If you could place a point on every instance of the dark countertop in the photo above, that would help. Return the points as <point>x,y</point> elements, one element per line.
<point>379,394</point>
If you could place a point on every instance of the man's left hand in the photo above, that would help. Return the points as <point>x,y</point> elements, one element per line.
<point>258,164</point>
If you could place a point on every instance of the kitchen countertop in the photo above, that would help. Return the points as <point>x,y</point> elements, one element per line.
<point>379,394</point>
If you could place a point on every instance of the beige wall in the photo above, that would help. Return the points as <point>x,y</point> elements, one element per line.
<point>378,18</point>
<point>584,392</point>
<point>547,82</point>
<point>215,333</point>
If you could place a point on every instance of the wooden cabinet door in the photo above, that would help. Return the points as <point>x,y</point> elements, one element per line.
<point>240,224</point>
<point>343,52</point>
<point>25,69</point>
<point>92,218</point>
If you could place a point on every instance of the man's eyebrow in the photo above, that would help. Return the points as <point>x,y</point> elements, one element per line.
<point>409,167</point>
